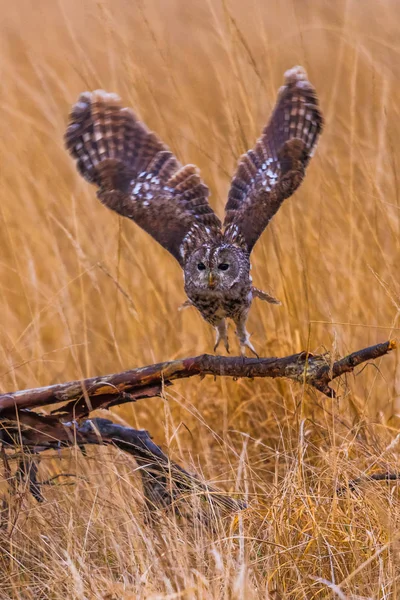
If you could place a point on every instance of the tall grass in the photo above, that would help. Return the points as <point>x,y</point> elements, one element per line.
<point>83,292</point>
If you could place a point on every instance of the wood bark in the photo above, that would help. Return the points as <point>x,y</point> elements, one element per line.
<point>104,391</point>
<point>163,481</point>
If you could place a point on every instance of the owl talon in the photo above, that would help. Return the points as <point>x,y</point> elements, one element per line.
<point>222,336</point>
<point>226,344</point>
<point>249,345</point>
<point>244,337</point>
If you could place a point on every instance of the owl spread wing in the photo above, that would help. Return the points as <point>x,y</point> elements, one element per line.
<point>275,168</point>
<point>137,175</point>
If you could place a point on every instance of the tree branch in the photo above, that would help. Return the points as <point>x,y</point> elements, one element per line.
<point>109,390</point>
<point>164,482</point>
<point>354,483</point>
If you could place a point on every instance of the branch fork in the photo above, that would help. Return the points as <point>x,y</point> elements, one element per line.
<point>163,480</point>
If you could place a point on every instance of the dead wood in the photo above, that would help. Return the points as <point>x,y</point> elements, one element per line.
<point>104,391</point>
<point>163,481</point>
<point>353,484</point>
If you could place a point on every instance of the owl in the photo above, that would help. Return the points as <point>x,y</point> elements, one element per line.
<point>138,177</point>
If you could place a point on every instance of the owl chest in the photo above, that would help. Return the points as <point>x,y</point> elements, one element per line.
<point>214,308</point>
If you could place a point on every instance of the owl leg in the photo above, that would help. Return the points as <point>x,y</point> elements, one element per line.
<point>222,335</point>
<point>243,335</point>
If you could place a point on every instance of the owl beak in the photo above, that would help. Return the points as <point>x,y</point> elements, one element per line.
<point>211,281</point>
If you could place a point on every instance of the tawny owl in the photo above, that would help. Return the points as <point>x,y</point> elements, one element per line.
<point>140,178</point>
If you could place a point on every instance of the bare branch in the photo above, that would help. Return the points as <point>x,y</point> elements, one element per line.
<point>164,482</point>
<point>354,483</point>
<point>146,382</point>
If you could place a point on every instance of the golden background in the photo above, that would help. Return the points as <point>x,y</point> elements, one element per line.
<point>85,292</point>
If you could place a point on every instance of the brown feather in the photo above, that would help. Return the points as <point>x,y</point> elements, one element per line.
<point>137,175</point>
<point>140,178</point>
<point>275,168</point>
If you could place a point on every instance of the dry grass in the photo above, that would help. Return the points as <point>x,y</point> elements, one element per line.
<point>83,292</point>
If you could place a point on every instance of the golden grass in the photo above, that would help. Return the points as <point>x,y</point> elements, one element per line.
<point>83,292</point>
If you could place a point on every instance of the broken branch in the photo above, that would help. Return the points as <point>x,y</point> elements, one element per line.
<point>105,391</point>
<point>164,481</point>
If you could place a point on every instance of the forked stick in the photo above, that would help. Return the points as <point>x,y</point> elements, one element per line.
<point>163,481</point>
<point>81,397</point>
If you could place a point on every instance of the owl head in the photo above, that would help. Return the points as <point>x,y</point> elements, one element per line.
<point>217,268</point>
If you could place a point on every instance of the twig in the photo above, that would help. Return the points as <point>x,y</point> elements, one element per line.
<point>354,483</point>
<point>27,470</point>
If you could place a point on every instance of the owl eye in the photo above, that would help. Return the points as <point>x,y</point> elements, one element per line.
<point>201,266</point>
<point>223,266</point>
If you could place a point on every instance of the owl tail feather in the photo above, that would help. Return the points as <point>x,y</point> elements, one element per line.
<point>265,296</point>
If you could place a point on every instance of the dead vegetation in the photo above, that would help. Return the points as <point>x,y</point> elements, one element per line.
<point>82,292</point>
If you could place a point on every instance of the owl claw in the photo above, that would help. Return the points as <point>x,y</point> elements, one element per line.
<point>222,336</point>
<point>244,339</point>
<point>249,345</point>
<point>226,344</point>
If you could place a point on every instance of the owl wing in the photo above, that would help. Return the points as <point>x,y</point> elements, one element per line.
<point>275,168</point>
<point>137,175</point>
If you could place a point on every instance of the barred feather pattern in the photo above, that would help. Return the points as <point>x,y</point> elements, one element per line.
<point>138,176</point>
<point>275,168</point>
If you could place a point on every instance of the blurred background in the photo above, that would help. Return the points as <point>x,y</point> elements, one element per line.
<point>85,292</point>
